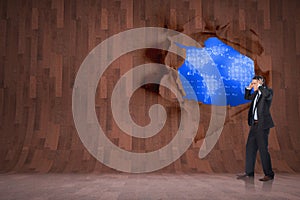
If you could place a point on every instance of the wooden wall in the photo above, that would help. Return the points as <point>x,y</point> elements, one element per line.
<point>43,43</point>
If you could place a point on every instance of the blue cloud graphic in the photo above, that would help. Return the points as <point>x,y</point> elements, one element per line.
<point>236,72</point>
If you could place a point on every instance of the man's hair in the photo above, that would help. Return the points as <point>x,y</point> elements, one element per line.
<point>258,77</point>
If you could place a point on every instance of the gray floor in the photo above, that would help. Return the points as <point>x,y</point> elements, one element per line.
<point>145,186</point>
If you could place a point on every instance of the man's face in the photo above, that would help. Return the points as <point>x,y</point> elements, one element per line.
<point>254,84</point>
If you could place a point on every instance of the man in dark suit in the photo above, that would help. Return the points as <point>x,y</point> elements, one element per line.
<point>260,122</point>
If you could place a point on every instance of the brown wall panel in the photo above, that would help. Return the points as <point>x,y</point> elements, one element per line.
<point>43,43</point>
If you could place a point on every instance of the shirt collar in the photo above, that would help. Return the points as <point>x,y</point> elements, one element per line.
<point>259,92</point>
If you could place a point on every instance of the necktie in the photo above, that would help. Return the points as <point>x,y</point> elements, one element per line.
<point>255,107</point>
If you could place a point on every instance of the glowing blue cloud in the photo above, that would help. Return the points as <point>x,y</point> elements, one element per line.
<point>236,72</point>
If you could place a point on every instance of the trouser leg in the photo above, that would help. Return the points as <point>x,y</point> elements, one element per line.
<point>262,143</point>
<point>251,151</point>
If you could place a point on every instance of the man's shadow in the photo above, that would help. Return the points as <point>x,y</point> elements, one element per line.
<point>250,185</point>
<point>267,186</point>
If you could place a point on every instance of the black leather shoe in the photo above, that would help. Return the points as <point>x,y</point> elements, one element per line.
<point>266,178</point>
<point>244,176</point>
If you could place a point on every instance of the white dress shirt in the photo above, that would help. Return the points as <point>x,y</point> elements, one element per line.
<point>254,105</point>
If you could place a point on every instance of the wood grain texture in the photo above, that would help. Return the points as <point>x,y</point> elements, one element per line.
<point>43,43</point>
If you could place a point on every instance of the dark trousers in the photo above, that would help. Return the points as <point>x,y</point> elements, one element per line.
<point>258,140</point>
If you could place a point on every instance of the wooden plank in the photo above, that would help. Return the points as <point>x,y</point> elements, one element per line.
<point>35,19</point>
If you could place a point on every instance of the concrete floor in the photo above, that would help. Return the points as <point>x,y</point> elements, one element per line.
<point>145,186</point>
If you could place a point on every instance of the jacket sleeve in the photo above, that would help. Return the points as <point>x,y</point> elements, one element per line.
<point>267,93</point>
<point>248,95</point>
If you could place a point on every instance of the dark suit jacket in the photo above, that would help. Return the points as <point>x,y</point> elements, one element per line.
<point>265,120</point>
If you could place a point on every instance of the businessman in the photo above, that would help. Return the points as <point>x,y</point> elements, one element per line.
<point>260,122</point>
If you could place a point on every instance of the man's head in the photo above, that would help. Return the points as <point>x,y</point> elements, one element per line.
<point>256,80</point>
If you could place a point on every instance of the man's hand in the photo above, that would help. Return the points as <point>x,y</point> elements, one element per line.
<point>260,82</point>
<point>250,86</point>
